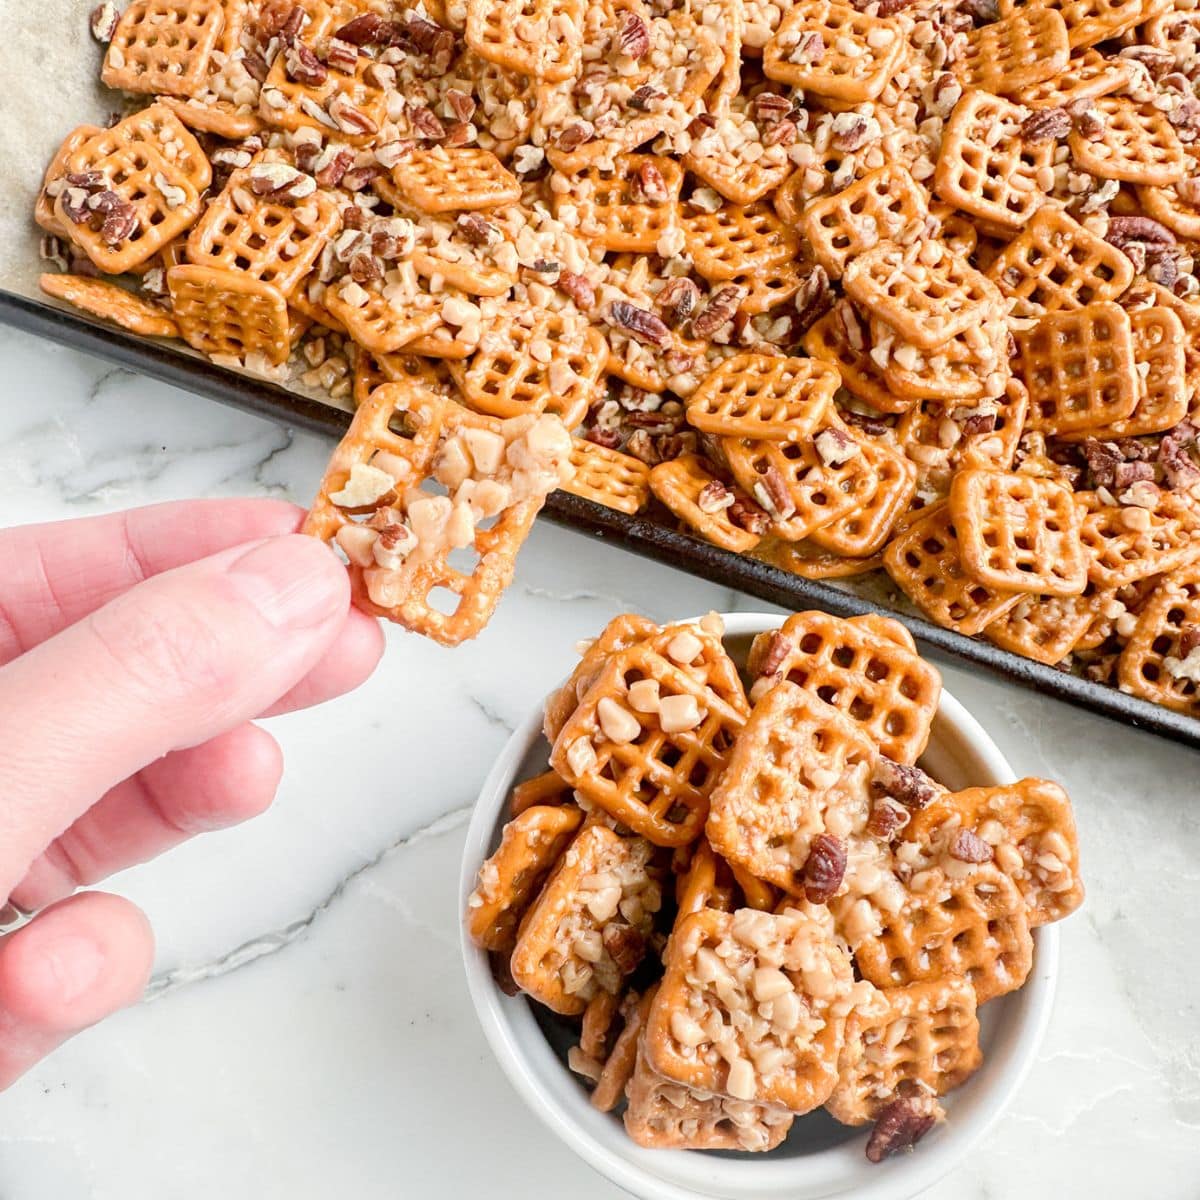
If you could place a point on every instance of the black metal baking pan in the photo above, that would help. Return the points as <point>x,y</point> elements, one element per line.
<point>650,538</point>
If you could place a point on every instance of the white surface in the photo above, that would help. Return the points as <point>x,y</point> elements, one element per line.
<point>811,1165</point>
<point>309,1033</point>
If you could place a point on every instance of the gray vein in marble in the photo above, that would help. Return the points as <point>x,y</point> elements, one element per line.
<point>544,593</point>
<point>272,942</point>
<point>490,715</point>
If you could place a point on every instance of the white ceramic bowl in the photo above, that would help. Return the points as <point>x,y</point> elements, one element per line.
<point>820,1158</point>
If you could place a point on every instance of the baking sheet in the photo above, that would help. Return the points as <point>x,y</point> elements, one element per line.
<point>50,65</point>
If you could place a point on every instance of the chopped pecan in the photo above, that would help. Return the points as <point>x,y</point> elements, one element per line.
<point>1185,117</point>
<point>719,310</point>
<point>747,515</point>
<point>644,96</point>
<point>633,36</point>
<point>778,648</point>
<point>714,497</point>
<point>336,164</point>
<point>574,136</point>
<point>1176,455</point>
<point>967,846</point>
<point>1188,190</point>
<point>901,1123</point>
<point>810,49</point>
<point>371,29</point>
<point>906,784</point>
<point>1122,230</point>
<point>625,945</point>
<point>341,56</point>
<point>641,325</point>
<point>678,300</point>
<point>460,104</point>
<point>302,65</point>
<point>1189,640</point>
<point>889,8</point>
<point>824,868</point>
<point>1102,460</point>
<point>770,107</point>
<point>1157,61</point>
<point>852,131</point>
<point>358,178</point>
<point>1129,473</point>
<point>280,181</point>
<point>772,493</point>
<point>349,118</point>
<point>1088,120</point>
<point>813,300</point>
<point>120,221</point>
<point>477,230</point>
<point>256,65</point>
<point>887,819</point>
<point>781,133</point>
<point>610,439</point>
<point>578,288</point>
<point>650,185</point>
<point>103,21</point>
<point>427,125</point>
<point>834,446</point>
<point>1046,125</point>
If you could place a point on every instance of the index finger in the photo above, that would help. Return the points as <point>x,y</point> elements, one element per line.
<point>56,574</point>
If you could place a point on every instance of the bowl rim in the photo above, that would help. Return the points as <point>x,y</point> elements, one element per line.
<point>605,1146</point>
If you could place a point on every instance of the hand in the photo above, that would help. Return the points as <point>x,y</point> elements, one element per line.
<point>134,651</point>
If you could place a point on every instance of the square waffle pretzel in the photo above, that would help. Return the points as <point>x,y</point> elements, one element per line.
<point>384,323</point>
<point>1056,264</point>
<point>1085,76</point>
<point>163,46</point>
<point>890,488</point>
<point>736,239</point>
<point>1031,831</point>
<point>922,291</point>
<point>110,303</point>
<point>1159,662</point>
<point>925,1034</point>
<point>539,38</point>
<point>1018,533</point>
<point>1079,368</point>
<point>1138,145</point>
<point>752,1006</point>
<point>621,632</point>
<point>277,242</point>
<point>609,477</point>
<point>925,564</point>
<point>1126,547</point>
<point>1092,21</point>
<point>884,203</point>
<point>799,769</point>
<point>404,437</point>
<point>985,168</point>
<point>880,684</point>
<point>971,365</point>
<point>654,770</point>
<point>806,485</point>
<point>975,927</point>
<point>564,952</point>
<point>858,52</point>
<point>664,1115</point>
<point>610,206</point>
<point>552,364</point>
<point>150,161</point>
<point>688,487</point>
<point>1015,52</point>
<point>53,182</point>
<point>733,161</point>
<point>441,179</point>
<point>1159,341</point>
<point>1046,628</point>
<point>764,397</point>
<point>827,339</point>
<point>530,844</point>
<point>229,313</point>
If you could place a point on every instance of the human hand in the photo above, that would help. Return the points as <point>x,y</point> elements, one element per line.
<point>134,651</point>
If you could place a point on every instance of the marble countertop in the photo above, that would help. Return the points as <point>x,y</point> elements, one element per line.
<point>308,1032</point>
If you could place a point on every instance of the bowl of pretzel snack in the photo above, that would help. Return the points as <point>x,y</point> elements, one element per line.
<point>752,908</point>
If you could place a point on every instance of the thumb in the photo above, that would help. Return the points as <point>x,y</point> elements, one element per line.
<point>170,663</point>
<point>76,963</point>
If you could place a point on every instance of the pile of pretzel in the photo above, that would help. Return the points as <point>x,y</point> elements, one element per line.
<point>847,286</point>
<point>836,915</point>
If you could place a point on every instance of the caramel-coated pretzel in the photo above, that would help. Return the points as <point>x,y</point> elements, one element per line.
<point>688,487</point>
<point>720,963</point>
<point>441,179</point>
<point>1137,145</point>
<point>1015,52</point>
<point>1159,662</point>
<point>798,768</point>
<point>163,46</point>
<point>737,238</point>
<point>925,1034</point>
<point>530,845</point>
<point>229,313</point>
<point>540,38</point>
<point>609,477</point>
<point>110,303</point>
<point>878,683</point>
<point>626,208</point>
<point>1126,547</point>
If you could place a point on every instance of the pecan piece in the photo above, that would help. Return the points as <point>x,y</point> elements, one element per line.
<point>678,300</point>
<point>1189,640</point>
<point>103,21</point>
<point>641,325</point>
<point>350,119</point>
<point>887,819</point>
<point>824,868</point>
<point>1175,455</point>
<point>303,66</point>
<point>644,96</point>
<point>772,493</point>
<point>119,222</point>
<point>460,104</point>
<point>427,125</point>
<point>904,783</point>
<point>901,1124</point>
<point>578,288</point>
<point>813,300</point>
<point>633,37</point>
<point>573,136</point>
<point>341,56</point>
<point>967,846</point>
<point>778,648</point>
<point>714,497</point>
<point>476,230</point>
<point>720,309</point>
<point>1046,125</point>
<point>625,945</point>
<point>650,185</point>
<point>747,515</point>
<point>371,29</point>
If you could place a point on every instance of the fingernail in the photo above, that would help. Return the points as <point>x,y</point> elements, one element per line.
<point>293,581</point>
<point>65,968</point>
